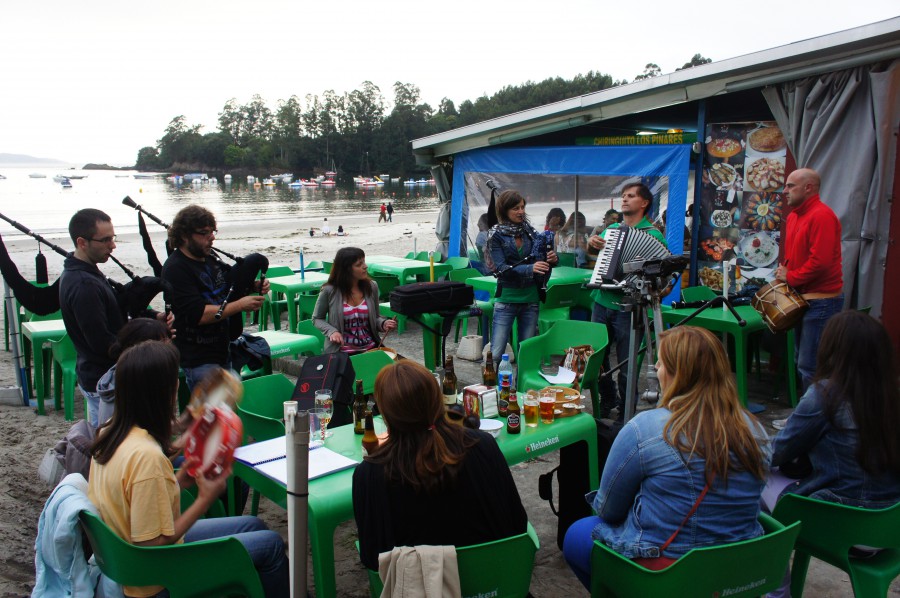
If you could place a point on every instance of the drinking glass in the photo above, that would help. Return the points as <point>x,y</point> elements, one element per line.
<point>548,404</point>
<point>325,402</point>
<point>532,404</point>
<point>317,425</point>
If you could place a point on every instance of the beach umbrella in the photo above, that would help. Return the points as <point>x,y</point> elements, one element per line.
<point>296,429</point>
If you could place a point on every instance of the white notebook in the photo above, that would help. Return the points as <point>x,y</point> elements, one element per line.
<point>270,458</point>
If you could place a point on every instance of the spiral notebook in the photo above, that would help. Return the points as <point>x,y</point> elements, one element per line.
<point>269,457</point>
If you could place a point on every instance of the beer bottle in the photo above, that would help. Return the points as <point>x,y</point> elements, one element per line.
<point>488,373</point>
<point>503,401</point>
<point>448,387</point>
<point>369,439</point>
<point>514,415</point>
<point>359,409</point>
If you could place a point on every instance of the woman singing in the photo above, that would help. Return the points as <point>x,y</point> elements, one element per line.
<point>347,308</point>
<point>134,486</point>
<point>685,475</point>
<point>431,482</point>
<point>510,247</point>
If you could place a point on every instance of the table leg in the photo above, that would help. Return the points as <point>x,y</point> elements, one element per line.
<point>740,366</point>
<point>321,542</point>
<point>431,348</point>
<point>292,312</point>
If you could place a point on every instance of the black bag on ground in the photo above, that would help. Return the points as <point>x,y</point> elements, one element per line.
<point>332,371</point>
<point>431,297</point>
<point>573,483</point>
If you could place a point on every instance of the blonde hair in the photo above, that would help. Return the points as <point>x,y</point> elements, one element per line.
<point>707,418</point>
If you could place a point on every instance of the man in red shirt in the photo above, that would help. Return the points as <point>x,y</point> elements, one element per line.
<point>811,263</point>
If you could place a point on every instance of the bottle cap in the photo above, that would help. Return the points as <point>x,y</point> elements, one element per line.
<point>505,357</point>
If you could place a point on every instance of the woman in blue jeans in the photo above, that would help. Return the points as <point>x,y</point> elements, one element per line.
<point>134,486</point>
<point>510,244</point>
<point>685,475</point>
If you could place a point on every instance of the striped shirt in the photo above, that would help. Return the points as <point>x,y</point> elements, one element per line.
<point>357,337</point>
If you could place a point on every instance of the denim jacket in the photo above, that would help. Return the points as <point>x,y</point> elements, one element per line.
<point>648,487</point>
<point>837,475</point>
<point>504,253</point>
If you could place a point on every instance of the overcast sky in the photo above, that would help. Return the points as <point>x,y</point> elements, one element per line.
<point>95,81</point>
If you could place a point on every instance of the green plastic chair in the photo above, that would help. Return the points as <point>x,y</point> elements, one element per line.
<point>274,304</point>
<point>386,284</point>
<point>189,495</point>
<point>564,334</point>
<point>831,529</point>
<point>261,412</point>
<point>367,366</point>
<point>306,305</point>
<point>422,256</point>
<point>457,263</point>
<point>699,293</point>
<point>498,568</point>
<point>487,307</point>
<point>64,358</point>
<point>207,568</point>
<point>566,259</point>
<point>747,568</point>
<point>307,327</point>
<point>313,266</point>
<point>561,298</point>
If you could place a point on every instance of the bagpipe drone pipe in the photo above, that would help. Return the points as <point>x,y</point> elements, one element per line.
<point>133,297</point>
<point>240,276</point>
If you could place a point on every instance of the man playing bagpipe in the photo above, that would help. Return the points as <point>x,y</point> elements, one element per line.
<point>92,312</point>
<point>206,296</point>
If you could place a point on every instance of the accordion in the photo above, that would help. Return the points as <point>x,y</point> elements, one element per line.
<point>624,245</point>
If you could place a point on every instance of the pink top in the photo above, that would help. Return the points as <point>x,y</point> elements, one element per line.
<point>357,337</point>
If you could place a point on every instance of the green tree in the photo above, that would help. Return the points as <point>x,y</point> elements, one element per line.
<point>147,158</point>
<point>697,60</point>
<point>178,143</point>
<point>651,70</point>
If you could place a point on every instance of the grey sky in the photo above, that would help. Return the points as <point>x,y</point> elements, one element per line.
<point>96,81</point>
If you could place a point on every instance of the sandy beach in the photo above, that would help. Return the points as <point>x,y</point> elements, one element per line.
<point>25,436</point>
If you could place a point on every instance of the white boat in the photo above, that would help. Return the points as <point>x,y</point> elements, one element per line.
<point>409,182</point>
<point>395,179</point>
<point>144,175</point>
<point>328,183</point>
<point>227,179</point>
<point>268,182</point>
<point>77,177</point>
<point>330,174</point>
<point>251,179</point>
<point>295,184</point>
<point>59,178</point>
<point>213,181</point>
<point>37,175</point>
<point>309,183</point>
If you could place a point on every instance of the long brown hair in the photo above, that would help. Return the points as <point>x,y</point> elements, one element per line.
<point>341,276</point>
<point>146,388</point>
<point>423,450</point>
<point>856,365</point>
<point>707,418</point>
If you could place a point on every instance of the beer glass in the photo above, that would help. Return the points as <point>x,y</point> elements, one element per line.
<point>532,406</point>
<point>547,405</point>
<point>326,404</point>
<point>317,425</point>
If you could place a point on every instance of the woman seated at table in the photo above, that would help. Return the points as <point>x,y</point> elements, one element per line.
<point>347,308</point>
<point>846,425</point>
<point>685,475</point>
<point>431,481</point>
<point>572,238</point>
<point>135,488</point>
<point>509,244</point>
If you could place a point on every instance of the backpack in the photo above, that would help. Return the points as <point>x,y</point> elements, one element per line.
<point>331,370</point>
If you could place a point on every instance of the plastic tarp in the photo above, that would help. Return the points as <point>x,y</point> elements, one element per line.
<point>664,162</point>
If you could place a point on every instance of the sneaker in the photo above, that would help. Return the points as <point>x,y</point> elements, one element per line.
<point>779,424</point>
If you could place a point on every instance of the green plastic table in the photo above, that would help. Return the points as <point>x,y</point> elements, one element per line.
<point>331,499</point>
<point>559,275</point>
<point>35,335</point>
<point>403,268</point>
<point>716,319</point>
<point>283,343</point>
<point>292,286</point>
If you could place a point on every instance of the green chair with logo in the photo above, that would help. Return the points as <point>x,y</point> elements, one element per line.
<point>368,365</point>
<point>479,570</point>
<point>747,568</point>
<point>557,306</point>
<point>219,567</point>
<point>831,531</point>
<point>549,346</point>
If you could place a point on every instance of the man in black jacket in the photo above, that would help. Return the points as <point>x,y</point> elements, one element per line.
<point>89,308</point>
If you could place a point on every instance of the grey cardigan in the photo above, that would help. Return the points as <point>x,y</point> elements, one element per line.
<point>328,315</point>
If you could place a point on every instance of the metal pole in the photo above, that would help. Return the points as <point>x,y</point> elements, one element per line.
<point>14,338</point>
<point>296,429</point>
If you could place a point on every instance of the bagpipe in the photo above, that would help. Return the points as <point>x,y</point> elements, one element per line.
<point>133,297</point>
<point>240,276</point>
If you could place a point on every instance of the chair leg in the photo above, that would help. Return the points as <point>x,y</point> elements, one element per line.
<point>798,572</point>
<point>866,584</point>
<point>57,385</point>
<point>254,503</point>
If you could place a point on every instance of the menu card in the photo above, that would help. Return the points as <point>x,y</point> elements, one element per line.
<point>270,458</point>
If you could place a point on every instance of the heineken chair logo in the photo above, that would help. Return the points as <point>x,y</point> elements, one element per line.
<point>541,444</point>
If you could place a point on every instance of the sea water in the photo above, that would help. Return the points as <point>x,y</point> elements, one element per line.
<point>45,207</point>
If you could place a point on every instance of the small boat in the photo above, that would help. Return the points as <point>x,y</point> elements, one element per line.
<point>59,178</point>
<point>409,182</point>
<point>192,176</point>
<point>395,180</point>
<point>295,184</point>
<point>385,177</point>
<point>309,183</point>
<point>268,182</point>
<point>213,181</point>
<point>421,182</point>
<point>66,183</point>
<point>144,175</point>
<point>251,179</point>
<point>77,177</point>
<point>328,183</point>
<point>330,174</point>
<point>37,175</point>
<point>227,179</point>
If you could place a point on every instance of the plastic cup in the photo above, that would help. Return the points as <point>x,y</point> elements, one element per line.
<point>532,409</point>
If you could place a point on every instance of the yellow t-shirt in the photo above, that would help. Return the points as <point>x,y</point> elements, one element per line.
<point>137,494</point>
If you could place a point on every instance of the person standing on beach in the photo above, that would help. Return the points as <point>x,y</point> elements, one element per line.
<point>198,289</point>
<point>89,308</point>
<point>390,212</point>
<point>382,213</point>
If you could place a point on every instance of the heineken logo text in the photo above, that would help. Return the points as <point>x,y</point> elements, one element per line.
<point>536,446</point>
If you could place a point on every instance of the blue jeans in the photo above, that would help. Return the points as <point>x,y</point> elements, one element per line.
<point>577,547</point>
<point>266,547</point>
<point>93,403</point>
<point>618,327</point>
<point>809,333</point>
<point>504,315</point>
<point>194,375</point>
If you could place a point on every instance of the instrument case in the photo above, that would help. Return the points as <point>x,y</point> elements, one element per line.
<point>431,297</point>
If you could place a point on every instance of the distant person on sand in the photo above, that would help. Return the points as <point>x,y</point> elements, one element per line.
<point>390,212</point>
<point>382,213</point>
<point>312,232</point>
<point>326,230</point>
<point>340,231</point>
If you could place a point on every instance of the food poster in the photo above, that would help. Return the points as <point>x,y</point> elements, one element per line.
<point>742,205</point>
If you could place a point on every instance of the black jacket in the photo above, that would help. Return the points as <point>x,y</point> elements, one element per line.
<point>92,317</point>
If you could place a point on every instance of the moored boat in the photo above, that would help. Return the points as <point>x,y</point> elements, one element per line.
<point>37,175</point>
